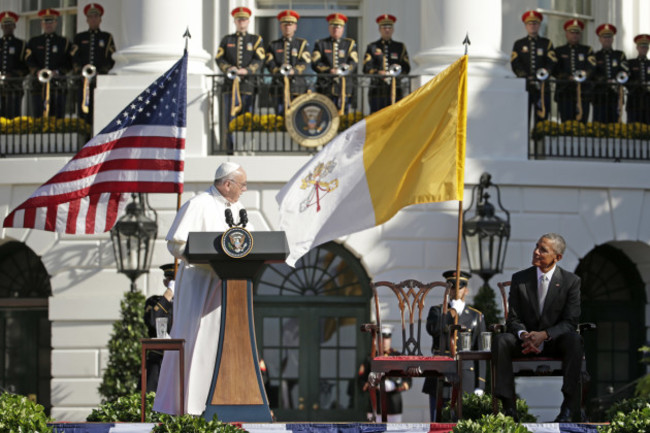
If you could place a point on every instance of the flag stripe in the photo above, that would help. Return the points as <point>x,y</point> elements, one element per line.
<point>90,214</point>
<point>118,165</point>
<point>157,142</point>
<point>71,219</point>
<point>112,210</point>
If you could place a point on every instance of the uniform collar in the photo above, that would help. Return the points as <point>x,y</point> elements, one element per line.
<point>241,33</point>
<point>335,40</point>
<point>386,41</point>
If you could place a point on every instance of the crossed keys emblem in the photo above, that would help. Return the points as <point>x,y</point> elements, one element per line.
<point>318,186</point>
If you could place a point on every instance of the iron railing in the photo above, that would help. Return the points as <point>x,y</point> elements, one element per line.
<point>606,125</point>
<point>24,127</point>
<point>260,130</point>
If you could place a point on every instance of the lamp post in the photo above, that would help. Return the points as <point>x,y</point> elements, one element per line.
<point>133,236</point>
<point>486,235</point>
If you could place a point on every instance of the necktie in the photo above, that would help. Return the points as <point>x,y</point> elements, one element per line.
<point>542,288</point>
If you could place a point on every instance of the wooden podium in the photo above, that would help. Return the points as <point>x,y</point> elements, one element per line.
<point>237,392</point>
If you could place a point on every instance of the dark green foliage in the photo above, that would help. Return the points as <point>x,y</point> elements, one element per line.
<point>19,414</point>
<point>122,374</point>
<point>489,424</point>
<point>193,424</point>
<point>635,421</point>
<point>643,387</point>
<point>627,406</point>
<point>485,302</point>
<point>125,409</point>
<point>476,406</point>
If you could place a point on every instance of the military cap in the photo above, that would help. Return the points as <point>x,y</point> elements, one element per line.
<point>462,280</point>
<point>574,25</point>
<point>606,30</point>
<point>386,331</point>
<point>8,16</point>
<point>48,14</point>
<point>241,12</point>
<point>288,16</point>
<point>93,9</point>
<point>643,40</point>
<point>386,20</point>
<point>225,169</point>
<point>530,16</point>
<point>168,270</point>
<point>337,18</point>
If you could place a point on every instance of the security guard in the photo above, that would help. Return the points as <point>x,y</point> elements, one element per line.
<point>155,307</point>
<point>12,66</point>
<point>531,56</point>
<point>380,57</point>
<point>469,319</point>
<point>335,55</point>
<point>92,47</point>
<point>609,63</point>
<point>49,51</point>
<point>638,99</point>
<point>575,64</point>
<point>291,52</point>
<point>239,55</point>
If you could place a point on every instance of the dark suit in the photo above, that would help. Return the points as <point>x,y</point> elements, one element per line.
<point>473,372</point>
<point>559,319</point>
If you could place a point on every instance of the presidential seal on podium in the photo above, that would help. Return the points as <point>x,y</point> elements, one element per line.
<point>312,120</point>
<point>237,242</point>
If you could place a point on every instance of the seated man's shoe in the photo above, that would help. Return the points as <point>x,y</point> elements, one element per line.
<point>564,415</point>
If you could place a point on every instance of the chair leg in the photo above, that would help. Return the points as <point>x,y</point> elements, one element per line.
<point>495,403</point>
<point>384,400</point>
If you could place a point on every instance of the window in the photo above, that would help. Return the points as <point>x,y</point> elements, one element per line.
<point>67,25</point>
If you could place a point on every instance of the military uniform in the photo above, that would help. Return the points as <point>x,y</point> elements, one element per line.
<point>380,55</point>
<point>13,68</point>
<point>572,58</point>
<point>156,307</point>
<point>638,99</point>
<point>93,47</point>
<point>530,54</point>
<point>329,53</point>
<point>294,52</point>
<point>606,92</point>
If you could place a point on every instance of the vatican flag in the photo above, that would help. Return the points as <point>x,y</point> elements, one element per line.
<point>408,153</point>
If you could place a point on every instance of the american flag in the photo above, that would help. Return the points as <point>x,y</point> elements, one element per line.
<point>141,150</point>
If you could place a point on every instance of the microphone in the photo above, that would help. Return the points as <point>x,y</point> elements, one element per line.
<point>229,219</point>
<point>243,217</point>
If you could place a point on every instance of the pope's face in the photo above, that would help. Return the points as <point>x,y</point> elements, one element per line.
<point>235,187</point>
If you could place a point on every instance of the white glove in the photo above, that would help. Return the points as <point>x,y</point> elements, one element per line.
<point>457,305</point>
<point>171,285</point>
<point>479,391</point>
<point>390,385</point>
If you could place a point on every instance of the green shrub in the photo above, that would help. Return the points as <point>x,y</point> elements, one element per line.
<point>626,406</point>
<point>635,421</point>
<point>19,414</point>
<point>485,302</point>
<point>476,406</point>
<point>490,424</point>
<point>125,409</point>
<point>193,424</point>
<point>122,374</point>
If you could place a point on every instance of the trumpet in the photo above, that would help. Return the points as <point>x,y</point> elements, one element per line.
<point>343,70</point>
<point>286,69</point>
<point>89,71</point>
<point>231,73</point>
<point>394,70</point>
<point>622,77</point>
<point>580,76</point>
<point>45,75</point>
<point>542,74</point>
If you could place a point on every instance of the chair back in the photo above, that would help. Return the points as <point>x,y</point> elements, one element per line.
<point>410,296</point>
<point>504,297</point>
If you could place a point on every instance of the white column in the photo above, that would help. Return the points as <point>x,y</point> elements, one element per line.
<point>444,24</point>
<point>152,31</point>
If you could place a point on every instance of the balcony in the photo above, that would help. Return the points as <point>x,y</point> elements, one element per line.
<point>592,130</point>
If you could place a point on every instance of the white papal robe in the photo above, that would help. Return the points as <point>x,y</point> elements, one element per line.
<point>197,307</point>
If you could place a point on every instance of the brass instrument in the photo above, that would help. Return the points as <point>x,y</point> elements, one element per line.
<point>88,72</point>
<point>45,77</point>
<point>580,76</point>
<point>342,71</point>
<point>394,70</point>
<point>286,70</point>
<point>235,102</point>
<point>542,75</point>
<point>621,78</point>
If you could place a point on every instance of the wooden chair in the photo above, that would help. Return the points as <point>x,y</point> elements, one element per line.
<point>410,296</point>
<point>540,365</point>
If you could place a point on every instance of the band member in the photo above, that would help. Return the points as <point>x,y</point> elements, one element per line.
<point>291,53</point>
<point>638,98</point>
<point>92,47</point>
<point>48,52</point>
<point>337,56</point>
<point>533,58</point>
<point>575,64</point>
<point>12,66</point>
<point>609,63</point>
<point>241,57</point>
<point>385,57</point>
